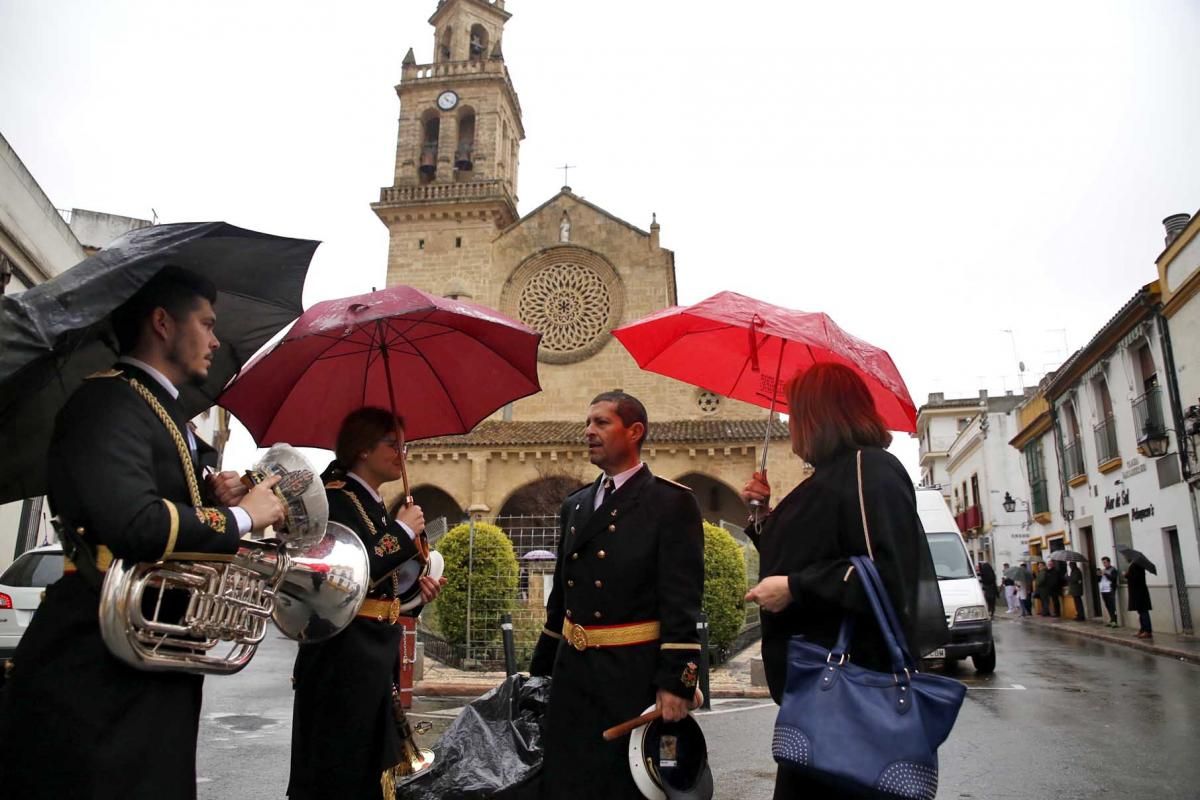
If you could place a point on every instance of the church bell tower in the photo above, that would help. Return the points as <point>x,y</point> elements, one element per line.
<point>455,182</point>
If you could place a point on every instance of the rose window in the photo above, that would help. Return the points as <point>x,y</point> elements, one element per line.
<point>709,402</point>
<point>569,304</point>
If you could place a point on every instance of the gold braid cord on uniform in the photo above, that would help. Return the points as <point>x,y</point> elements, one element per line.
<point>212,517</point>
<point>388,544</point>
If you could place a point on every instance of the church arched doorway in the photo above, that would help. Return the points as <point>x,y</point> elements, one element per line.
<point>717,500</point>
<point>437,503</point>
<point>542,497</point>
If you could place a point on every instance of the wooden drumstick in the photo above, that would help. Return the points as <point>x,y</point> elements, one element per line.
<point>617,731</point>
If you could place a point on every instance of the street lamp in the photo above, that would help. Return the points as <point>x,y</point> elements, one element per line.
<point>1068,508</point>
<point>1010,505</point>
<point>1155,443</point>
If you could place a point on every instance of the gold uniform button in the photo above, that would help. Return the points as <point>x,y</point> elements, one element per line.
<point>572,529</point>
<point>570,582</point>
<point>597,615</point>
<point>574,556</point>
<point>599,584</point>
<point>612,528</point>
<point>601,554</point>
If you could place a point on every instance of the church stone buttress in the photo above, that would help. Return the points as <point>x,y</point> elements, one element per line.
<point>455,181</point>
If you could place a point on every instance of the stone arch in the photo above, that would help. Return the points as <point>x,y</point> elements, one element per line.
<point>718,500</point>
<point>542,496</point>
<point>437,502</point>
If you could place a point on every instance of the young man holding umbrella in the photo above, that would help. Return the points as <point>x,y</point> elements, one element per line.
<point>620,629</point>
<point>75,721</point>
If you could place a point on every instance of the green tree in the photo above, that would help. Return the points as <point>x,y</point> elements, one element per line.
<point>724,586</point>
<point>490,575</point>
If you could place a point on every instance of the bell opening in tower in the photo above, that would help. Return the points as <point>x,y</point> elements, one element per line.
<point>429,148</point>
<point>466,141</point>
<point>479,42</point>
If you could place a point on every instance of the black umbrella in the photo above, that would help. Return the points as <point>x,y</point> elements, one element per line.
<point>1067,555</point>
<point>1137,557</point>
<point>53,335</point>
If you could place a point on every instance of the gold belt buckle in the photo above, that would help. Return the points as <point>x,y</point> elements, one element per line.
<point>578,636</point>
<point>394,611</point>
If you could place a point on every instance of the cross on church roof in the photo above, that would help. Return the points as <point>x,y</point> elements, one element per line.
<point>566,168</point>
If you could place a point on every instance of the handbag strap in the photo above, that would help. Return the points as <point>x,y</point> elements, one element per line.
<point>862,507</point>
<point>885,615</point>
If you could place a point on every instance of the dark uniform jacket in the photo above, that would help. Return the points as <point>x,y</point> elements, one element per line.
<point>343,727</point>
<point>75,721</point>
<point>639,557</point>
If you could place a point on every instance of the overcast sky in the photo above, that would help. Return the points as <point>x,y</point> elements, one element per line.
<point>930,174</point>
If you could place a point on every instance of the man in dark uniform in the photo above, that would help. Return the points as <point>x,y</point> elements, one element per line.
<point>75,721</point>
<point>620,629</point>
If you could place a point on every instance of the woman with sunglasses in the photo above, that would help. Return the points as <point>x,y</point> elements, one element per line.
<point>345,742</point>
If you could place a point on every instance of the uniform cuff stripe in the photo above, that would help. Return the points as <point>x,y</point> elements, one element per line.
<point>679,646</point>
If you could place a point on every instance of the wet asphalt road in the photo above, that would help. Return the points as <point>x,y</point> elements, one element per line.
<point>1061,718</point>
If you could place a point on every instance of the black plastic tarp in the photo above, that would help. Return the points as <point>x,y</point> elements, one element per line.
<point>492,749</point>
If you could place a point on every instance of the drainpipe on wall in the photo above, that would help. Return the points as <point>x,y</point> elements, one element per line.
<point>1164,334</point>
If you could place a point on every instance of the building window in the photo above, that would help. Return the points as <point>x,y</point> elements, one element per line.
<point>458,241</point>
<point>1035,465</point>
<point>1106,428</point>
<point>1072,445</point>
<point>420,244</point>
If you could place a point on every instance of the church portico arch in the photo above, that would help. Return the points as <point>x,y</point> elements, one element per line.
<point>718,500</point>
<point>436,502</point>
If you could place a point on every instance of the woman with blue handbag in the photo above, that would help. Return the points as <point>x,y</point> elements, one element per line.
<point>843,621</point>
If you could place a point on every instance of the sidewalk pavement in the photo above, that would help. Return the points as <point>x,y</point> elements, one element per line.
<point>731,679</point>
<point>1180,646</point>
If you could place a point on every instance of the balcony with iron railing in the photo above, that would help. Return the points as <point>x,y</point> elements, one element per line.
<point>1107,456</point>
<point>1148,415</point>
<point>1073,461</point>
<point>969,520</point>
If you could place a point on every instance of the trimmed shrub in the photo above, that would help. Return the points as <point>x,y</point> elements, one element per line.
<point>491,573</point>
<point>724,586</point>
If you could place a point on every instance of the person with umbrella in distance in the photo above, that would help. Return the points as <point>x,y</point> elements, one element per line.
<point>1025,589</point>
<point>75,721</point>
<point>620,629</point>
<point>987,580</point>
<point>1139,593</point>
<point>1075,588</point>
<point>348,739</point>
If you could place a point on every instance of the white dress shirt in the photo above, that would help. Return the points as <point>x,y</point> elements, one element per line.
<point>618,481</point>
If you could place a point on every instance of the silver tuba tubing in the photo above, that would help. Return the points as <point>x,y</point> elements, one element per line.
<point>208,613</point>
<point>209,616</point>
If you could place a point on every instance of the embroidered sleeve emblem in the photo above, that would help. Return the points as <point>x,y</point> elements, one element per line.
<point>689,677</point>
<point>387,545</point>
<point>212,517</point>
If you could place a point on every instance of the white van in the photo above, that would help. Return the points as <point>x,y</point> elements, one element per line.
<point>962,596</point>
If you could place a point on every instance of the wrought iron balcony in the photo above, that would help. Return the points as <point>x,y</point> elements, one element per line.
<point>1073,458</point>
<point>1106,440</point>
<point>1147,413</point>
<point>1038,497</point>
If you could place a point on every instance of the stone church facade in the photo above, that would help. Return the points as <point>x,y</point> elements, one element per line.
<point>568,269</point>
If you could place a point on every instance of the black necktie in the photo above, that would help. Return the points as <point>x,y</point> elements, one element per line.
<point>609,488</point>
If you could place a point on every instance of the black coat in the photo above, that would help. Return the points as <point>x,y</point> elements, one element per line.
<point>343,726</point>
<point>1139,594</point>
<point>638,557</point>
<point>1075,583</point>
<point>810,537</point>
<point>75,721</point>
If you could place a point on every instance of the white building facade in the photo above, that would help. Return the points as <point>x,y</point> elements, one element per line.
<point>1122,482</point>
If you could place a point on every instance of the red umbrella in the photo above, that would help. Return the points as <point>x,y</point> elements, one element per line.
<point>443,364</point>
<point>741,348</point>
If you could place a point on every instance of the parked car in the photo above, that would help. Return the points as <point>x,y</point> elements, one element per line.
<point>21,588</point>
<point>962,596</point>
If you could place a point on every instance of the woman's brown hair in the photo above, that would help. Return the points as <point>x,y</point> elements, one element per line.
<point>361,430</point>
<point>831,409</point>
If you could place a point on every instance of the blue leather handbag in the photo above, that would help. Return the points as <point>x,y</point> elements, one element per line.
<point>859,729</point>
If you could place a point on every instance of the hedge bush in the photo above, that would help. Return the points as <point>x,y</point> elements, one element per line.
<point>724,586</point>
<point>492,576</point>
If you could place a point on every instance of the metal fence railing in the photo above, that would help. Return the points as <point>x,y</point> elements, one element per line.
<point>465,631</point>
<point>1073,456</point>
<point>1106,440</point>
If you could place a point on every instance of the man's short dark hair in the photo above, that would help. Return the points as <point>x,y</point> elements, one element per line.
<point>1106,558</point>
<point>174,289</point>
<point>629,409</point>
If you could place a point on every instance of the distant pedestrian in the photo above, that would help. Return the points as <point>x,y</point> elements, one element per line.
<point>1025,590</point>
<point>1108,589</point>
<point>987,579</point>
<point>1010,590</point>
<point>1050,590</point>
<point>1075,588</point>
<point>1139,599</point>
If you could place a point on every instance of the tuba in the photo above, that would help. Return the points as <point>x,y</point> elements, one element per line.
<point>207,613</point>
